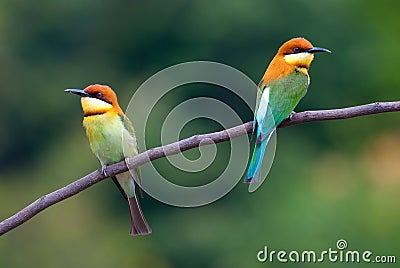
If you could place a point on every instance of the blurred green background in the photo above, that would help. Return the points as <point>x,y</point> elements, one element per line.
<point>330,180</point>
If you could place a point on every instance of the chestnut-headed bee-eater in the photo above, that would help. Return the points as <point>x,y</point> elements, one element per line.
<point>108,130</point>
<point>283,85</point>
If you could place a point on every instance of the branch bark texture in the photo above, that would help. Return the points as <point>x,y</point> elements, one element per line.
<point>174,148</point>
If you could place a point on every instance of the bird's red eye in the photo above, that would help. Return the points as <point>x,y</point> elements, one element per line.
<point>99,95</point>
<point>296,49</point>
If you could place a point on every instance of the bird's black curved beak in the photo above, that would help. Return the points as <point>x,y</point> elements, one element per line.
<point>79,92</point>
<point>318,49</point>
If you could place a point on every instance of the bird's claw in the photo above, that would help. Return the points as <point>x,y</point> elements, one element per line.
<point>291,115</point>
<point>104,170</point>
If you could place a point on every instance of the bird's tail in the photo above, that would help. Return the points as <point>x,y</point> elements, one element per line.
<point>253,173</point>
<point>139,225</point>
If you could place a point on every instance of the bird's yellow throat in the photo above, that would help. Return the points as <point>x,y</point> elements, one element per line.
<point>302,59</point>
<point>92,106</point>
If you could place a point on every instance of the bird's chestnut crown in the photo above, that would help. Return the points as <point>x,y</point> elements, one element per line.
<point>295,45</point>
<point>101,92</point>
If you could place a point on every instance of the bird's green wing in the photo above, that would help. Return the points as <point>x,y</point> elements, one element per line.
<point>130,144</point>
<point>128,125</point>
<point>286,94</point>
<point>129,137</point>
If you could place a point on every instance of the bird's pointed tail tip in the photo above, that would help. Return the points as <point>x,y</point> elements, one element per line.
<point>139,225</point>
<point>248,180</point>
<point>135,232</point>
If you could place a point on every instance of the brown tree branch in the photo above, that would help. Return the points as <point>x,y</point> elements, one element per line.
<point>180,146</point>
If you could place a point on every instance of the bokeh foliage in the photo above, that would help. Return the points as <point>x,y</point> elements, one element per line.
<point>330,180</point>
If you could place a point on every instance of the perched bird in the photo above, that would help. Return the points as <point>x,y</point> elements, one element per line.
<point>283,85</point>
<point>109,130</point>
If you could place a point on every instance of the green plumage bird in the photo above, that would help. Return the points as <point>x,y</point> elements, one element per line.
<point>283,85</point>
<point>110,132</point>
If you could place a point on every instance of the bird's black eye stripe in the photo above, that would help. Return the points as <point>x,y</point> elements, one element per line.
<point>100,96</point>
<point>295,50</point>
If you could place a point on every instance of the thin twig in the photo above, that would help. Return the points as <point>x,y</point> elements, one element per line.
<point>174,148</point>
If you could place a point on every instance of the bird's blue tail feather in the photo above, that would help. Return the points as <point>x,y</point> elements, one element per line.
<point>253,173</point>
